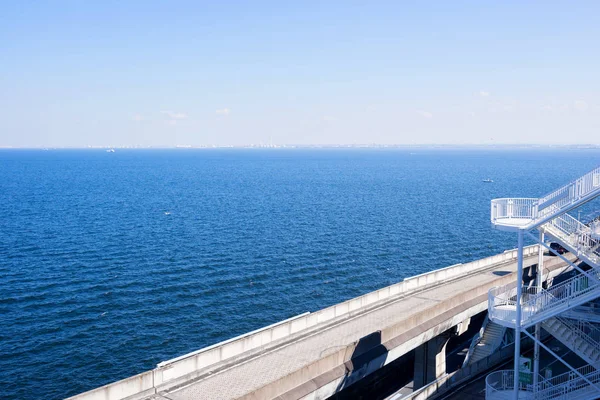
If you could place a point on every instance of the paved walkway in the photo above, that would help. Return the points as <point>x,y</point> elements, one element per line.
<point>274,364</point>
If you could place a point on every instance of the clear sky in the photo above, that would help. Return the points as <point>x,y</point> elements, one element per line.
<point>78,73</point>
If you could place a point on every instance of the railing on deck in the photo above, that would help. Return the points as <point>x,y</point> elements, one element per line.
<point>581,189</point>
<point>589,312</point>
<point>504,381</point>
<point>564,386</point>
<point>569,193</point>
<point>502,303</point>
<point>576,235</point>
<point>502,300</point>
<point>514,208</point>
<point>568,385</point>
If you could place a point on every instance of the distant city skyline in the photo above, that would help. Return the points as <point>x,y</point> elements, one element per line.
<point>184,73</point>
<point>439,146</point>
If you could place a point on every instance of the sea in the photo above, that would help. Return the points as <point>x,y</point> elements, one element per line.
<point>113,262</point>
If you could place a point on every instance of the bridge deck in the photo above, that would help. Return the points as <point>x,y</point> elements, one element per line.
<point>242,378</point>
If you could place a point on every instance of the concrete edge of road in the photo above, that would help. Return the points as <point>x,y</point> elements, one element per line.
<point>398,344</point>
<point>176,372</point>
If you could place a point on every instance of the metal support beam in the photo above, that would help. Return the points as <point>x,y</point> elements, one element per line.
<point>540,269</point>
<point>538,283</point>
<point>518,321</point>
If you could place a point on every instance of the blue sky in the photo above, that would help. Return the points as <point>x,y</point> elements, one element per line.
<point>78,73</point>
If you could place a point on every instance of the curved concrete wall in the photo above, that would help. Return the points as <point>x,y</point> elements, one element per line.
<point>178,370</point>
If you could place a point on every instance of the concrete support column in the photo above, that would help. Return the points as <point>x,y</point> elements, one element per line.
<point>463,326</point>
<point>430,360</point>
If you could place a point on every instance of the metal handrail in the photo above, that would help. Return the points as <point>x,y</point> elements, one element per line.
<point>575,235</point>
<point>575,190</point>
<point>503,381</point>
<point>476,340</point>
<point>564,385</point>
<point>536,209</point>
<point>502,300</point>
<point>589,313</point>
<point>513,208</point>
<point>558,387</point>
<point>558,295</point>
<point>586,331</point>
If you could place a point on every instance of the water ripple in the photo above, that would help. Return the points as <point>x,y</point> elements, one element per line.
<point>111,263</point>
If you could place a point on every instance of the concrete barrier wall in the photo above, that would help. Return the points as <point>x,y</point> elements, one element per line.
<point>171,372</point>
<point>132,388</point>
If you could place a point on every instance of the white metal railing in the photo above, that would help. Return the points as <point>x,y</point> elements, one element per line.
<point>582,189</point>
<point>502,303</point>
<point>502,300</point>
<point>568,385</point>
<point>476,339</point>
<point>584,330</point>
<point>561,387</point>
<point>537,304</point>
<point>571,192</point>
<point>568,226</point>
<point>514,208</point>
<point>589,312</point>
<point>504,381</point>
<point>575,235</point>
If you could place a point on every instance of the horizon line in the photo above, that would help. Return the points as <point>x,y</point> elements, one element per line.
<point>306,146</point>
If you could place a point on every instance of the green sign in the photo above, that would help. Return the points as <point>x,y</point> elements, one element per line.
<point>525,375</point>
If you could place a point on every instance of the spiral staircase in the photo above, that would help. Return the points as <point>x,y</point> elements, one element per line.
<point>556,308</point>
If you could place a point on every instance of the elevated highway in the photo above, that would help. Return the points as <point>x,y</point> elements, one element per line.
<point>315,355</point>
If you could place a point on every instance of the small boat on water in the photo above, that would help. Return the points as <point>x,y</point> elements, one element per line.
<point>488,180</point>
<point>110,150</point>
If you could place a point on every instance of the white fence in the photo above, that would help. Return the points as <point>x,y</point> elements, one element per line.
<point>530,210</point>
<point>177,370</point>
<point>502,301</point>
<point>500,384</point>
<point>514,208</point>
<point>577,237</point>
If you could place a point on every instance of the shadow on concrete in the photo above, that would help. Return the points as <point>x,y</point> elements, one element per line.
<point>501,273</point>
<point>529,274</point>
<point>368,356</point>
<point>382,383</point>
<point>387,380</point>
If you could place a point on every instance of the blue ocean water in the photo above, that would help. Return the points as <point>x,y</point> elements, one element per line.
<point>113,262</point>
